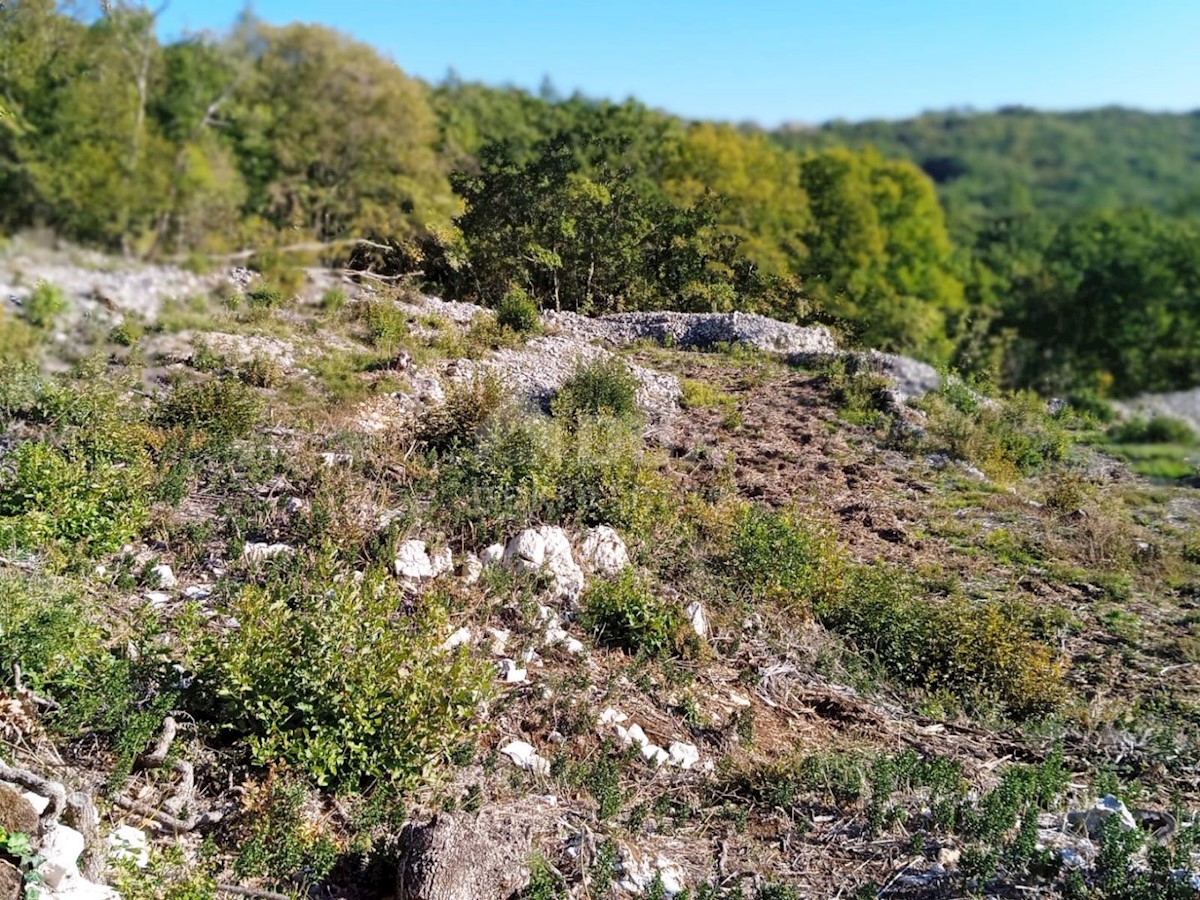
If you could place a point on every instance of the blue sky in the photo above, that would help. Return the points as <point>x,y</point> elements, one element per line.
<point>772,61</point>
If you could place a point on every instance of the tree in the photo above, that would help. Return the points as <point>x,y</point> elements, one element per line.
<point>334,140</point>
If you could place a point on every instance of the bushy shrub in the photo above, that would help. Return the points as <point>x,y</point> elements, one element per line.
<point>1157,429</point>
<point>77,503</point>
<point>772,556</point>
<point>1006,437</point>
<point>326,675</point>
<point>857,389</point>
<point>260,371</point>
<point>461,417</point>
<point>602,386</point>
<point>44,304</point>
<point>979,652</point>
<point>264,295</point>
<point>223,409</point>
<point>126,333</point>
<point>518,311</point>
<point>333,300</point>
<point>277,841</point>
<point>624,614</point>
<point>386,323</point>
<point>18,340</point>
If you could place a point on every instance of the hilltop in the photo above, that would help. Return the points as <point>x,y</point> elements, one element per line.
<point>343,589</point>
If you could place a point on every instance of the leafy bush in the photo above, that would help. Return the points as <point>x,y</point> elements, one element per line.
<point>62,499</point>
<point>333,300</point>
<point>981,653</point>
<point>277,841</point>
<point>126,333</point>
<point>43,305</point>
<point>602,386</point>
<point>326,675</point>
<point>1007,437</point>
<point>260,371</point>
<point>857,389</point>
<point>222,409</point>
<point>461,417</point>
<point>622,613</point>
<point>1158,429</point>
<point>771,556</point>
<point>518,311</point>
<point>386,323</point>
<point>18,340</point>
<point>264,295</point>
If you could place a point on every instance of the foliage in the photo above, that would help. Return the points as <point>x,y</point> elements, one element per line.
<point>223,409</point>
<point>517,311</point>
<point>604,386</point>
<point>43,305</point>
<point>325,675</point>
<point>983,653</point>
<point>459,420</point>
<point>622,613</point>
<point>278,843</point>
<point>386,324</point>
<point>1157,429</point>
<point>773,556</point>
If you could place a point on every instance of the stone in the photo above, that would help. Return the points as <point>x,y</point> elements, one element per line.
<point>560,562</point>
<point>441,562</point>
<point>526,552</point>
<point>458,639</point>
<point>697,618</point>
<point>127,843</point>
<point>612,716</point>
<point>512,673</point>
<point>500,638</point>
<point>39,803</point>
<point>17,813</point>
<point>294,506</point>
<point>62,847</point>
<point>158,598</point>
<point>525,757</point>
<point>472,569</point>
<point>412,561</point>
<point>603,551</point>
<point>683,755</point>
<point>1092,820</point>
<point>257,552</point>
<point>654,754</point>
<point>484,856</point>
<point>637,871</point>
<point>164,577</point>
<point>492,555</point>
<point>198,592</point>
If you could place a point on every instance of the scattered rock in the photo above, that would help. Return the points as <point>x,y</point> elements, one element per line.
<point>492,555</point>
<point>62,847</point>
<point>466,857</point>
<point>683,755</point>
<point>525,757</point>
<point>257,552</point>
<point>526,552</point>
<point>164,577</point>
<point>697,617</point>
<point>413,562</point>
<point>512,673</point>
<point>603,551</point>
<point>499,639</point>
<point>472,568</point>
<point>548,548</point>
<point>458,639</point>
<point>441,562</point>
<point>198,592</point>
<point>637,871</point>
<point>158,598</point>
<point>11,882</point>
<point>1091,821</point>
<point>293,506</point>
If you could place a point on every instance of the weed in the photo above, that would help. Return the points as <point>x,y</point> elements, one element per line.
<point>333,300</point>
<point>260,371</point>
<point>386,324</point>
<point>222,409</point>
<point>622,613</point>
<point>459,420</point>
<point>1157,429</point>
<point>279,843</point>
<point>772,557</point>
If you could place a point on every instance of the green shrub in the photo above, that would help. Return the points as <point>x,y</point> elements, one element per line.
<point>277,841</point>
<point>223,409</point>
<point>979,652</point>
<point>44,304</point>
<point>519,312</point>
<point>622,613</point>
<point>386,323</point>
<point>857,389</point>
<point>260,371</point>
<point>126,333</point>
<point>18,340</point>
<point>771,556</point>
<point>1158,429</point>
<point>264,295</point>
<point>461,417</point>
<point>333,300</point>
<point>70,500</point>
<point>325,675</point>
<point>602,386</point>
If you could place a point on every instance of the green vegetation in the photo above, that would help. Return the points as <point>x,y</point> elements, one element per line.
<point>518,312</point>
<point>623,613</point>
<point>43,305</point>
<point>601,387</point>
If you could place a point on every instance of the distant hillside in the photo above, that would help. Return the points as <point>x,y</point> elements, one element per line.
<point>1016,159</point>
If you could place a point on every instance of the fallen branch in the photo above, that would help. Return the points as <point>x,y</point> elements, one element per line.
<point>168,815</point>
<point>251,892</point>
<point>39,785</point>
<point>166,819</point>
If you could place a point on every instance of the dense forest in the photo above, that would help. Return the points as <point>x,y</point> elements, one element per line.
<point>1058,251</point>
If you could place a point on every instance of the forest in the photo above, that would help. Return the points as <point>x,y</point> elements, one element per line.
<point>1054,251</point>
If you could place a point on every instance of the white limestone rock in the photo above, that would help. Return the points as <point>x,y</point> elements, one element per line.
<point>698,618</point>
<point>412,561</point>
<point>458,639</point>
<point>129,843</point>
<point>525,757</point>
<point>492,555</point>
<point>255,552</point>
<point>472,569</point>
<point>603,552</point>
<point>683,755</point>
<point>441,562</point>
<point>526,552</point>
<point>164,577</point>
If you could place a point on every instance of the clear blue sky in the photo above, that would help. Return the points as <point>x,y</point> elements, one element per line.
<point>774,60</point>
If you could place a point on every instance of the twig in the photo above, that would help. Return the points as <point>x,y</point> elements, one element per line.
<point>176,824</point>
<point>251,892</point>
<point>36,783</point>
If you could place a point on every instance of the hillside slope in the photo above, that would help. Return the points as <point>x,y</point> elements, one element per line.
<point>359,593</point>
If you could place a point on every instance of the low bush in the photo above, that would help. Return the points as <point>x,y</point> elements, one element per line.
<point>601,387</point>
<point>326,675</point>
<point>44,305</point>
<point>857,389</point>
<point>519,312</point>
<point>772,556</point>
<point>260,371</point>
<point>981,653</point>
<point>277,840</point>
<point>222,409</point>
<point>386,324</point>
<point>1157,429</point>
<point>623,613</point>
<point>264,295</point>
<point>460,419</point>
<point>18,339</point>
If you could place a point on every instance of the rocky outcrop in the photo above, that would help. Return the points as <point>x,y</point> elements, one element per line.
<point>464,857</point>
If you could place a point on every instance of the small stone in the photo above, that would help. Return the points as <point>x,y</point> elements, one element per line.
<point>526,552</point>
<point>492,555</point>
<point>441,562</point>
<point>164,577</point>
<point>39,803</point>
<point>697,617</point>
<point>257,552</point>
<point>603,551</point>
<point>294,506</point>
<point>458,639</point>
<point>574,646</point>
<point>62,847</point>
<point>329,460</point>
<point>158,598</point>
<point>512,673</point>
<point>612,716</point>
<point>198,592</point>
<point>412,561</point>
<point>684,755</point>
<point>525,757</point>
<point>499,639</point>
<point>654,754</point>
<point>129,843</point>
<point>472,569</point>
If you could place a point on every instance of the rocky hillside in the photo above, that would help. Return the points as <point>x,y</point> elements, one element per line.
<point>333,589</point>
